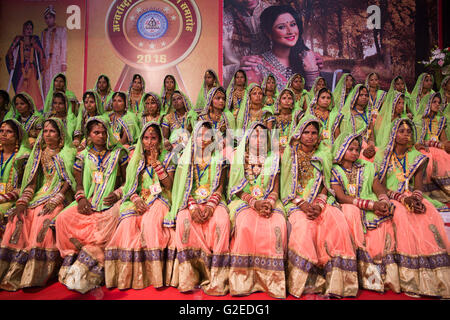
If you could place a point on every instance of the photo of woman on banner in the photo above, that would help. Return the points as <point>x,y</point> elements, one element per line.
<point>287,53</point>
<point>24,60</point>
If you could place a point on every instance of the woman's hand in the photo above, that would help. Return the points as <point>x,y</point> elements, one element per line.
<point>207,213</point>
<point>421,146</point>
<point>196,214</point>
<point>312,212</point>
<point>264,208</point>
<point>84,206</point>
<point>447,146</point>
<point>310,61</point>
<point>140,205</point>
<point>248,63</point>
<point>414,204</point>
<point>381,208</point>
<point>168,145</point>
<point>110,199</point>
<point>369,152</point>
<point>20,211</point>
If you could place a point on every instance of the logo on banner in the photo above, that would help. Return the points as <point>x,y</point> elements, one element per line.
<point>153,34</point>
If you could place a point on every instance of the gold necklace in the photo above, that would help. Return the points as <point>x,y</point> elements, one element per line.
<point>305,168</point>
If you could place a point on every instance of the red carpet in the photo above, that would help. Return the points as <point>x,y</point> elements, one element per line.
<point>57,291</point>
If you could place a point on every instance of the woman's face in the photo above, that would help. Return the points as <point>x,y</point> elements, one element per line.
<point>284,31</point>
<point>178,102</point>
<point>286,100</point>
<point>435,104</point>
<point>137,84</point>
<point>256,96</point>
<point>400,106</point>
<point>98,135</point>
<point>349,82</point>
<point>363,97</point>
<point>102,84</point>
<point>239,79</point>
<point>320,84</point>
<point>297,83</point>
<point>58,105</point>
<point>218,101</point>
<point>374,81</point>
<point>209,79</point>
<point>118,104</point>
<point>151,105</point>
<point>257,143</point>
<point>59,84</point>
<point>22,106</point>
<point>28,30</point>
<point>404,134</point>
<point>270,84</point>
<point>50,134</point>
<point>150,139</point>
<point>7,135</point>
<point>324,100</point>
<point>169,83</point>
<point>89,104</point>
<point>447,86</point>
<point>428,82</point>
<point>399,85</point>
<point>310,136</point>
<point>352,153</point>
<point>204,137</point>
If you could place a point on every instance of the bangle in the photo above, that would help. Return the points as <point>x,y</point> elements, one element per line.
<point>79,195</point>
<point>298,201</point>
<point>383,197</point>
<point>21,201</point>
<point>134,197</point>
<point>418,195</point>
<point>118,193</point>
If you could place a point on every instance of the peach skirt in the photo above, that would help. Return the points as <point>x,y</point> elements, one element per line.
<point>81,240</point>
<point>422,251</point>
<point>141,251</point>
<point>437,177</point>
<point>257,252</point>
<point>321,256</point>
<point>28,253</point>
<point>377,269</point>
<point>203,252</point>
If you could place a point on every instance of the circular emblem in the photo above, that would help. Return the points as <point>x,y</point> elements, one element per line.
<point>153,34</point>
<point>152,25</point>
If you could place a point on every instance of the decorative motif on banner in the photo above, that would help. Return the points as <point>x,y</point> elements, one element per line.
<point>153,34</point>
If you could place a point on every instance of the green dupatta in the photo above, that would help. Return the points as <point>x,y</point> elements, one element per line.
<point>19,158</point>
<point>87,163</point>
<point>289,179</point>
<point>304,95</point>
<point>167,105</point>
<point>133,108</point>
<point>243,120</point>
<point>422,120</point>
<point>384,118</point>
<point>415,94</point>
<point>184,175</point>
<point>365,176</point>
<point>231,88</point>
<point>136,169</point>
<point>376,104</point>
<point>63,162</point>
<point>393,177</point>
<point>350,123</point>
<point>203,93</point>
<point>107,101</point>
<point>238,181</point>
<point>296,114</point>
<point>70,121</point>
<point>48,99</point>
<point>83,116</point>
<point>275,94</point>
<point>34,119</point>
<point>227,116</point>
<point>128,122</point>
<point>339,91</point>
<point>142,115</point>
<point>327,134</point>
<point>445,104</point>
<point>312,93</point>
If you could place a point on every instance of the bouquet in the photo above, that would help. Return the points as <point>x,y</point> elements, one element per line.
<point>439,64</point>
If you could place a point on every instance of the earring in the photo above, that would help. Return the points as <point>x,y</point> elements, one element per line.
<point>1,147</point>
<point>88,141</point>
<point>17,147</point>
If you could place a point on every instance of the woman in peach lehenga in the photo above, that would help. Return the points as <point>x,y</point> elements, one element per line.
<point>142,251</point>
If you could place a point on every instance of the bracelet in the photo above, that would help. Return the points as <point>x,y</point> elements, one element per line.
<point>21,201</point>
<point>118,193</point>
<point>363,204</point>
<point>418,195</point>
<point>79,195</point>
<point>214,200</point>
<point>383,197</point>
<point>134,197</point>
<point>298,201</point>
<point>396,196</point>
<point>272,198</point>
<point>321,201</point>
